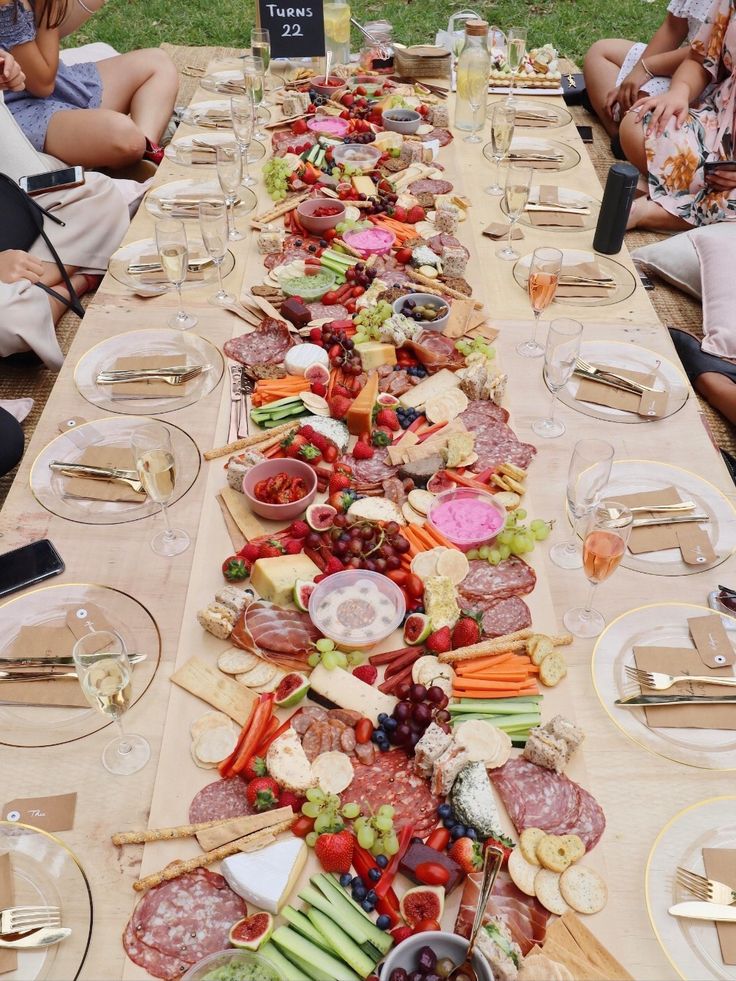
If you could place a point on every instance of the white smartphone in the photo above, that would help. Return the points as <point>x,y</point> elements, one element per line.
<point>52,180</point>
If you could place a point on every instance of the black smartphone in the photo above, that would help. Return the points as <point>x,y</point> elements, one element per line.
<point>53,180</point>
<point>28,565</point>
<point>713,166</point>
<point>586,133</point>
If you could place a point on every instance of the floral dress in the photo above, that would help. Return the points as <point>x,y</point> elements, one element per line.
<point>76,87</point>
<point>675,159</point>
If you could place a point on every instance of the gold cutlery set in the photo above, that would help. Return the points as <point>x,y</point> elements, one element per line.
<point>715,900</point>
<point>39,926</point>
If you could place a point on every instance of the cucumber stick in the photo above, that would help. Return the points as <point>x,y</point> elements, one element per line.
<point>302,924</point>
<point>318,964</point>
<point>286,968</point>
<point>331,888</point>
<point>356,927</point>
<point>342,943</point>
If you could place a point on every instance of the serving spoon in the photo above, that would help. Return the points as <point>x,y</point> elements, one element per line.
<point>466,971</point>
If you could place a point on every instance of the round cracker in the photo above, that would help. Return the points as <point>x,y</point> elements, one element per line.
<point>411,515</point>
<point>262,673</point>
<point>424,564</point>
<point>313,402</point>
<point>584,889</point>
<point>333,772</point>
<point>200,764</point>
<point>268,686</point>
<point>236,662</point>
<point>547,889</point>
<point>528,841</point>
<point>215,745</point>
<point>210,720</point>
<point>421,500</point>
<point>454,565</point>
<point>522,873</point>
<point>468,461</point>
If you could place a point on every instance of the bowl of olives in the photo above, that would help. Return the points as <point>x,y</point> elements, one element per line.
<point>431,956</point>
<point>431,311</point>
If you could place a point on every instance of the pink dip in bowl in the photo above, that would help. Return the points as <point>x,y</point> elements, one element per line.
<point>370,241</point>
<point>329,125</point>
<point>466,516</point>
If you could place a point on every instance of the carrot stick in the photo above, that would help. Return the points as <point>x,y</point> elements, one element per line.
<point>482,662</point>
<point>486,684</point>
<point>462,693</point>
<point>424,538</point>
<point>464,481</point>
<point>437,536</point>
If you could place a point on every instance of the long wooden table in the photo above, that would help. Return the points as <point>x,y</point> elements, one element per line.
<point>638,791</point>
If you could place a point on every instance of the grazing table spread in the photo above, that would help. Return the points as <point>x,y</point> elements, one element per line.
<point>620,789</point>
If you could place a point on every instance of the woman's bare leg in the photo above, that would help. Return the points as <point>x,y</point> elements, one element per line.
<point>602,64</point>
<point>94,138</point>
<point>631,134</point>
<point>718,391</point>
<point>142,84</point>
<point>649,215</point>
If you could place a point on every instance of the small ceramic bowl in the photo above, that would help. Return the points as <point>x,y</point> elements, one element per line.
<point>248,963</point>
<point>443,944</point>
<point>404,121</point>
<point>316,224</point>
<point>422,300</point>
<point>269,468</point>
<point>363,155</point>
<point>318,84</point>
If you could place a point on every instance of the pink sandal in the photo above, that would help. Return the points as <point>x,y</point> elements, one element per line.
<point>154,152</point>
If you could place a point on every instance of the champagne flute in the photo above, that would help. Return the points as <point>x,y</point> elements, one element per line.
<point>476,91</point>
<point>104,674</point>
<point>173,252</point>
<point>243,118</point>
<point>516,192</point>
<point>502,117</point>
<point>560,354</point>
<point>609,528</point>
<point>213,225</point>
<point>544,274</point>
<point>156,466</point>
<point>253,72</point>
<point>515,53</point>
<point>229,172</point>
<point>260,45</point>
<point>587,475</point>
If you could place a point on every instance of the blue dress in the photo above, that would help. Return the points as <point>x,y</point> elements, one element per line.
<point>77,86</point>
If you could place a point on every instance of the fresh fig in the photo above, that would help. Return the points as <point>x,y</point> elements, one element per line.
<point>319,517</point>
<point>291,690</point>
<point>317,374</point>
<point>422,903</point>
<point>252,931</point>
<point>417,627</point>
<point>303,589</point>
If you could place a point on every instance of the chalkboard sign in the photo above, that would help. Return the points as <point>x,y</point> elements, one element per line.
<point>296,27</point>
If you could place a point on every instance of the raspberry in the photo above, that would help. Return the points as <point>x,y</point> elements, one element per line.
<point>363,451</point>
<point>319,389</point>
<point>366,673</point>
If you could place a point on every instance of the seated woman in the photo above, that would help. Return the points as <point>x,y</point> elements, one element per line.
<point>109,114</point>
<point>11,442</point>
<point>671,136</point>
<point>713,378</point>
<point>617,72</point>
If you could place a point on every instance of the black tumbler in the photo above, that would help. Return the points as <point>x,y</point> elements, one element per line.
<point>615,207</point>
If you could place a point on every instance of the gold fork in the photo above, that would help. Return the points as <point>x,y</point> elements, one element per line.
<point>643,508</point>
<point>604,372</point>
<point>174,376</point>
<point>709,890</point>
<point>661,682</point>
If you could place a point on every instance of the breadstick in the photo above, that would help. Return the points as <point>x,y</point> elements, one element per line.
<point>447,290</point>
<point>500,645</point>
<point>242,444</point>
<point>250,843</point>
<point>163,834</point>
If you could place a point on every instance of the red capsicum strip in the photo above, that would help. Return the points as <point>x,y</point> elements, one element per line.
<point>383,885</point>
<point>252,734</point>
<point>387,905</point>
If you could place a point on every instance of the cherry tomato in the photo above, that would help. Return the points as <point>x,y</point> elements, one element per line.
<point>358,291</point>
<point>403,256</point>
<point>302,826</point>
<point>350,306</point>
<point>424,926</point>
<point>415,586</point>
<point>329,298</point>
<point>399,576</point>
<point>329,234</point>
<point>363,731</point>
<point>439,839</point>
<point>432,873</point>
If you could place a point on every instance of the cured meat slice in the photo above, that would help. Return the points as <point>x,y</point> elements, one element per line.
<point>427,185</point>
<point>504,616</point>
<point>158,965</point>
<point>184,919</point>
<point>524,916</point>
<point>485,583</point>
<point>391,779</point>
<point>395,382</point>
<point>282,636</point>
<point>335,311</point>
<point>435,351</point>
<point>267,344</point>
<point>373,471</point>
<point>220,801</point>
<point>590,822</point>
<point>443,136</point>
<point>282,140</point>
<point>480,413</point>
<point>289,254</point>
<point>446,241</point>
<point>495,442</point>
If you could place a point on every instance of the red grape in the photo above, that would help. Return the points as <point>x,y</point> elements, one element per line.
<point>435,694</point>
<point>392,528</point>
<point>401,545</point>
<point>393,562</point>
<point>442,716</point>
<point>402,734</point>
<point>313,540</point>
<point>402,711</point>
<point>354,563</point>
<point>422,713</point>
<point>418,693</point>
<point>403,690</point>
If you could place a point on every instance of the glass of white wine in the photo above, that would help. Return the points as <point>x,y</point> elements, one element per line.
<point>503,117</point>
<point>587,475</point>
<point>244,120</point>
<point>173,252</point>
<point>515,52</point>
<point>105,673</point>
<point>544,274</point>
<point>156,466</point>
<point>516,192</point>
<point>213,225</point>
<point>260,45</point>
<point>229,173</point>
<point>560,354</point>
<point>253,74</point>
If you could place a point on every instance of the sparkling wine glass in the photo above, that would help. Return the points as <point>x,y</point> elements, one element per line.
<point>560,354</point>
<point>243,118</point>
<point>213,225</point>
<point>516,193</point>
<point>260,45</point>
<point>503,117</point>
<point>587,475</point>
<point>544,274</point>
<point>156,466</point>
<point>173,252</point>
<point>229,172</point>
<point>604,545</point>
<point>515,53</point>
<point>104,673</point>
<point>253,74</point>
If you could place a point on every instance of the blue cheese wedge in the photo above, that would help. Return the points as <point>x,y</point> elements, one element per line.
<point>440,602</point>
<point>267,877</point>
<point>473,801</point>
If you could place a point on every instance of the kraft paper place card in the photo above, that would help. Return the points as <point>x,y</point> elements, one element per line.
<point>500,230</point>
<point>155,388</point>
<point>720,864</point>
<point>104,490</point>
<point>549,196</point>
<point>43,641</point>
<point>54,813</point>
<point>656,538</point>
<point>8,958</point>
<point>650,404</point>
<point>584,279</point>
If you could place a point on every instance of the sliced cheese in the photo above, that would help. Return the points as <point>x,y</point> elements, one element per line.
<point>343,689</point>
<point>267,877</point>
<point>435,384</point>
<point>364,185</point>
<point>373,354</point>
<point>273,579</point>
<point>241,513</point>
<point>359,413</point>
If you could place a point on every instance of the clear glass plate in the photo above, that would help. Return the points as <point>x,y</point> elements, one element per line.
<point>196,189</point>
<point>54,725</point>
<point>625,281</point>
<point>48,486</point>
<point>565,195</point>
<point>570,156</point>
<point>45,872</point>
<point>178,149</point>
<point>197,111</point>
<point>558,115</point>
<point>691,946</point>
<point>147,246</point>
<point>658,625</point>
<point>618,354</point>
<point>187,348</point>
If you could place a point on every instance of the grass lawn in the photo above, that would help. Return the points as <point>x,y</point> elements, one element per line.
<point>571,25</point>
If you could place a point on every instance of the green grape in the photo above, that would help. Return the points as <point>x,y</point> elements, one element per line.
<point>520,514</point>
<point>323,822</point>
<point>355,658</point>
<point>351,810</point>
<point>341,659</point>
<point>311,809</point>
<point>324,645</point>
<point>313,659</point>
<point>518,544</point>
<point>505,537</point>
<point>504,551</point>
<point>311,839</point>
<point>472,554</point>
<point>316,794</point>
<point>542,534</point>
<point>383,823</point>
<point>333,801</point>
<point>366,837</point>
<point>361,822</point>
<point>386,810</point>
<point>536,523</point>
<point>495,556</point>
<point>391,844</point>
<point>484,551</point>
<point>329,660</point>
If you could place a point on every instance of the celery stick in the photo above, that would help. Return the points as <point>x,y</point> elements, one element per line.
<point>493,706</point>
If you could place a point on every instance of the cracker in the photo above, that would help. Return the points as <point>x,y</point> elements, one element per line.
<point>210,720</point>
<point>260,674</point>
<point>547,889</point>
<point>530,838</point>
<point>333,772</point>
<point>576,846</point>
<point>215,745</point>
<point>424,564</point>
<point>538,647</point>
<point>421,500</point>
<point>552,670</point>
<point>236,662</point>
<point>453,564</point>
<point>583,889</point>
<point>554,854</point>
<point>523,873</point>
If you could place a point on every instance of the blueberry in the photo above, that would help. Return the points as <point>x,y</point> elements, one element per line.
<point>376,736</point>
<point>382,716</point>
<point>471,833</point>
<point>345,880</point>
<point>382,861</point>
<point>449,822</point>
<point>359,893</point>
<point>457,831</point>
<point>367,905</point>
<point>383,922</point>
<point>444,810</point>
<point>371,896</point>
<point>374,874</point>
<point>390,724</point>
<point>356,880</point>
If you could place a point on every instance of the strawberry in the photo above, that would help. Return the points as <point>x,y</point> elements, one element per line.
<point>389,419</point>
<point>320,441</point>
<point>289,799</point>
<point>366,673</point>
<point>381,438</point>
<point>333,565</point>
<point>465,632</point>
<point>235,569</point>
<point>339,406</point>
<point>468,854</point>
<point>400,213</point>
<point>400,933</point>
<point>338,482</point>
<point>319,389</point>
<point>335,851</point>
<point>309,453</point>
<point>255,767</point>
<point>341,500</point>
<point>500,841</point>
<point>263,793</point>
<point>439,641</point>
<point>415,214</point>
<point>363,450</point>
<point>269,550</point>
<point>299,529</point>
<point>293,546</point>
<point>250,552</point>
<point>315,336</point>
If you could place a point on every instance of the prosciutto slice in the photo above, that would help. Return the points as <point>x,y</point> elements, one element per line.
<point>524,916</point>
<point>435,351</point>
<point>284,637</point>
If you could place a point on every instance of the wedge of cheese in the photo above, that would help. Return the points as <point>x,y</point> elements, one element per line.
<point>266,878</point>
<point>339,688</point>
<point>359,413</point>
<point>374,354</point>
<point>273,579</point>
<point>436,384</point>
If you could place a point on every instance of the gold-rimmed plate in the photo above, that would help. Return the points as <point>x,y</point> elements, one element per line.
<point>551,116</point>
<point>180,151</point>
<point>567,156</point>
<point>51,490</point>
<point>157,200</point>
<point>45,872</point>
<point>184,347</point>
<point>618,354</point>
<point>625,283</point>
<point>46,610</point>
<point>657,625</point>
<point>691,946</point>
<point>568,196</point>
<point>133,251</point>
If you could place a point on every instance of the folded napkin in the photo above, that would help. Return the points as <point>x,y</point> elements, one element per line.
<point>549,195</point>
<point>587,280</point>
<point>539,157</point>
<point>43,641</point>
<point>500,230</point>
<point>614,398</point>
<point>537,118</point>
<point>104,490</point>
<point>720,864</point>
<point>153,389</point>
<point>690,537</point>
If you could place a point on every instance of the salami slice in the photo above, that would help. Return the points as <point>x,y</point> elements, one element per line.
<point>481,413</point>
<point>158,965</point>
<point>485,583</point>
<point>335,311</point>
<point>590,822</point>
<point>427,185</point>
<point>219,801</point>
<point>266,345</point>
<point>282,140</point>
<point>372,471</point>
<point>391,779</point>
<point>504,616</point>
<point>443,136</point>
<point>445,241</point>
<point>289,254</point>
